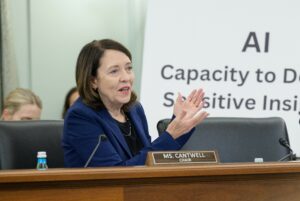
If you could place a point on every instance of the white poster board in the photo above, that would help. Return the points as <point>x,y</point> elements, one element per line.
<point>245,54</point>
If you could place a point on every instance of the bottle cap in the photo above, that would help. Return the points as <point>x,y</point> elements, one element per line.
<point>41,154</point>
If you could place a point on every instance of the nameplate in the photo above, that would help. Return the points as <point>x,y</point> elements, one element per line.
<point>181,157</point>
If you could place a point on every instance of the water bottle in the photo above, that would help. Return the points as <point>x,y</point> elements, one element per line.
<point>41,161</point>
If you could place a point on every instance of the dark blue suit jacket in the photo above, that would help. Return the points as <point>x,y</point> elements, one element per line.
<point>82,128</point>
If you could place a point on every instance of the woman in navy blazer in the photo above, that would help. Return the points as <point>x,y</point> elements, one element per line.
<point>106,126</point>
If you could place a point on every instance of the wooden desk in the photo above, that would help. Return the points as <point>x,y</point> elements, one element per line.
<point>225,182</point>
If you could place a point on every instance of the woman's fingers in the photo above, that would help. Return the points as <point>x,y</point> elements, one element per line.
<point>198,118</point>
<point>190,97</point>
<point>187,113</point>
<point>179,98</point>
<point>197,96</point>
<point>199,99</point>
<point>183,123</point>
<point>195,110</point>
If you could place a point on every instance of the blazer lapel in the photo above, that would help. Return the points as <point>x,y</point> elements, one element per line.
<point>112,127</point>
<point>138,125</point>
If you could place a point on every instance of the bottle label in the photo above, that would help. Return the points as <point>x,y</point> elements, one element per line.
<point>42,164</point>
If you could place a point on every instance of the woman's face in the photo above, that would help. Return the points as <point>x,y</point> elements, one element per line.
<point>25,112</point>
<point>114,79</point>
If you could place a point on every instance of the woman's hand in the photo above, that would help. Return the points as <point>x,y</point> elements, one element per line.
<point>193,100</point>
<point>187,113</point>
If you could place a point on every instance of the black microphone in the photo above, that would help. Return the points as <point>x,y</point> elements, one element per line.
<point>100,138</point>
<point>284,143</point>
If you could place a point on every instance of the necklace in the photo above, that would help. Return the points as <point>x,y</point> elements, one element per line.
<point>126,127</point>
<point>129,125</point>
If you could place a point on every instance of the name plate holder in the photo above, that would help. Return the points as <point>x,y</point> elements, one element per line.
<point>181,158</point>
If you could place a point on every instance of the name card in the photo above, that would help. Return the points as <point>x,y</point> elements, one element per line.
<point>181,157</point>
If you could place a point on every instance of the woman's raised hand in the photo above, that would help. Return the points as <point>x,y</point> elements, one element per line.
<point>187,113</point>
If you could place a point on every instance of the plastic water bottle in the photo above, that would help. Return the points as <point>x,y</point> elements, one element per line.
<point>41,161</point>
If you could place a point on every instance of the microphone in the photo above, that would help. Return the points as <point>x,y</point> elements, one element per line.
<point>284,143</point>
<point>100,138</point>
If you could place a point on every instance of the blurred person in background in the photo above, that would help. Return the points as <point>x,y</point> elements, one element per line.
<point>21,104</point>
<point>70,98</point>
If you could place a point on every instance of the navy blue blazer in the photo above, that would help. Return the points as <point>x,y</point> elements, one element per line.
<point>82,128</point>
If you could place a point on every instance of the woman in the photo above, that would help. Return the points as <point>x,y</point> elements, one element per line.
<point>21,104</point>
<point>70,98</point>
<point>107,107</point>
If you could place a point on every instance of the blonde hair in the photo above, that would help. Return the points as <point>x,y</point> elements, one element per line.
<point>18,97</point>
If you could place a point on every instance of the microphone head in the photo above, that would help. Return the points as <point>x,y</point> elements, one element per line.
<point>103,137</point>
<point>283,142</point>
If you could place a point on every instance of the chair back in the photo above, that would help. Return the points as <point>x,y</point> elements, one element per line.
<point>238,139</point>
<point>21,140</point>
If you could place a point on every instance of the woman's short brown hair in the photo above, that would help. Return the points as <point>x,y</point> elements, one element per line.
<point>88,62</point>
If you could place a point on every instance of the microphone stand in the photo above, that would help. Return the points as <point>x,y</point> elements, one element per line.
<point>95,149</point>
<point>292,156</point>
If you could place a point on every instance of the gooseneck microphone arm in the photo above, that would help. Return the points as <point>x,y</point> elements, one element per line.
<point>292,155</point>
<point>284,143</point>
<point>95,149</point>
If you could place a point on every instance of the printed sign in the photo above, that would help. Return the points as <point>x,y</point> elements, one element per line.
<point>245,55</point>
<point>181,157</point>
